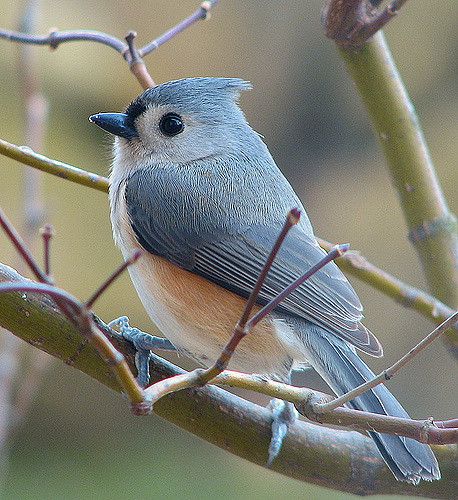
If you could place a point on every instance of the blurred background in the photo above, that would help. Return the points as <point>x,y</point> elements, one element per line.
<point>79,440</point>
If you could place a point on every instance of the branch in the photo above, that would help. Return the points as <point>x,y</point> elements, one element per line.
<point>202,13</point>
<point>311,453</point>
<point>408,296</point>
<point>244,326</point>
<point>308,401</point>
<point>127,49</point>
<point>27,156</point>
<point>433,229</point>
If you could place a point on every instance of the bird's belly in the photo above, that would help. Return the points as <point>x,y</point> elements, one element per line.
<point>198,317</point>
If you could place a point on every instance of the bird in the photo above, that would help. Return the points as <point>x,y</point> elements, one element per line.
<point>196,188</point>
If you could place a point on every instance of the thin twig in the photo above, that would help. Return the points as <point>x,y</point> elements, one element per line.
<point>336,252</point>
<point>201,13</point>
<point>127,50</point>
<point>55,38</point>
<point>241,329</point>
<point>21,248</point>
<point>77,313</point>
<point>446,424</point>
<point>136,64</point>
<point>390,372</point>
<point>25,253</point>
<point>408,296</point>
<point>101,289</point>
<point>291,220</point>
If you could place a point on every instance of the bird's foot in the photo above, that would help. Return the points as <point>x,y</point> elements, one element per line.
<point>283,414</point>
<point>144,343</point>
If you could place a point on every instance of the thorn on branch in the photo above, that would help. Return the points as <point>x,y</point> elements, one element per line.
<point>47,233</point>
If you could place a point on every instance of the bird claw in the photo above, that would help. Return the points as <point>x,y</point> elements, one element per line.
<point>144,343</point>
<point>283,415</point>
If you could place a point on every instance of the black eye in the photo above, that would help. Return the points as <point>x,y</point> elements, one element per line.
<point>171,124</point>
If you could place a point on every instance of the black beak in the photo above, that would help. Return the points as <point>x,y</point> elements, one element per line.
<point>115,123</point>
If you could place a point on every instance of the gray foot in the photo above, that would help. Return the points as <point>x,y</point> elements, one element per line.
<point>143,343</point>
<point>283,414</point>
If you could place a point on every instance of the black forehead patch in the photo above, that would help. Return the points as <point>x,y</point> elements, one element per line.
<point>136,108</point>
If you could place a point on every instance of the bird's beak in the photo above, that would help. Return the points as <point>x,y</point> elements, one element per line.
<point>115,123</point>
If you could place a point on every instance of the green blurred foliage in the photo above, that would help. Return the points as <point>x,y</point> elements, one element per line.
<point>79,440</point>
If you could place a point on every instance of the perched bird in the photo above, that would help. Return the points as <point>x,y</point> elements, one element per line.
<point>196,187</point>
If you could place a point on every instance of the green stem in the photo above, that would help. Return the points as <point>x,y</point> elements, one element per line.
<point>432,227</point>
<point>27,156</point>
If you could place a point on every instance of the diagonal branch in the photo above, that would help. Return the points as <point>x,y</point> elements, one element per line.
<point>357,265</point>
<point>307,401</point>
<point>56,38</point>
<point>433,228</point>
<point>27,156</point>
<point>202,13</point>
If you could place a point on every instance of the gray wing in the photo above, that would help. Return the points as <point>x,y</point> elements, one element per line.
<point>233,259</point>
<point>326,299</point>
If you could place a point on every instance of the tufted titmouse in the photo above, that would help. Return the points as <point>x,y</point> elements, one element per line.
<point>194,185</point>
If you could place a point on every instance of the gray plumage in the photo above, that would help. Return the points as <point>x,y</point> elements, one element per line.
<point>211,200</point>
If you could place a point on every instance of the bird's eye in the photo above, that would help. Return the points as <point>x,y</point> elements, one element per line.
<point>171,124</point>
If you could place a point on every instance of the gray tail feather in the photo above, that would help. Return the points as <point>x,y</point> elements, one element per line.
<point>344,370</point>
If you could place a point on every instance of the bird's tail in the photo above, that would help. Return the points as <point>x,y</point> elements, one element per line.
<point>344,370</point>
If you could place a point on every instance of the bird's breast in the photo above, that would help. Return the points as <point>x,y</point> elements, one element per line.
<point>196,315</point>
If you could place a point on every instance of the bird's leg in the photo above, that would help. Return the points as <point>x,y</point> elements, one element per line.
<point>283,414</point>
<point>144,343</point>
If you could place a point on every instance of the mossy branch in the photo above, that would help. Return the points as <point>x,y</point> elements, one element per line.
<point>311,453</point>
